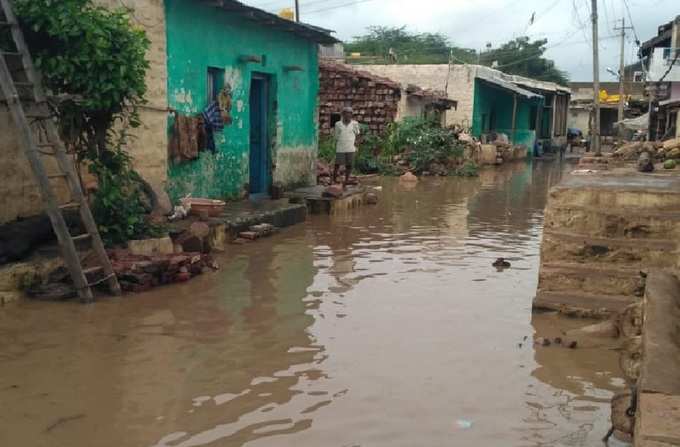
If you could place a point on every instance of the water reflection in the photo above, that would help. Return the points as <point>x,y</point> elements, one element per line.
<point>386,326</point>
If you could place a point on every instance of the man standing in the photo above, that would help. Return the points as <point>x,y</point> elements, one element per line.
<point>346,132</point>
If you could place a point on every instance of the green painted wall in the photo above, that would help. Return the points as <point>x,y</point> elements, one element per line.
<point>491,101</point>
<point>201,36</point>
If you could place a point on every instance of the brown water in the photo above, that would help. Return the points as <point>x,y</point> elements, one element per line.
<point>385,327</point>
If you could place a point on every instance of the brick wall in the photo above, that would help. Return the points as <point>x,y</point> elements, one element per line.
<point>375,100</point>
<point>19,195</point>
<point>460,84</point>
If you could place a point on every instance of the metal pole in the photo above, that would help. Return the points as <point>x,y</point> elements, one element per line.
<point>297,10</point>
<point>622,90</point>
<point>595,136</point>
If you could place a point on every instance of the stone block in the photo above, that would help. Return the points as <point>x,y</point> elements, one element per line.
<point>150,247</point>
<point>658,419</point>
<point>489,154</point>
<point>217,238</point>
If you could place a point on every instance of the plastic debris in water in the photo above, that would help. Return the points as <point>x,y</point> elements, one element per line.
<point>464,424</point>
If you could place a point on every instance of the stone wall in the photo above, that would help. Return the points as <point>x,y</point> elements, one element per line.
<point>19,195</point>
<point>375,99</point>
<point>461,79</point>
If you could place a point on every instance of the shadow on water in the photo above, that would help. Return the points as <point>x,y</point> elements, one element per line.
<point>386,326</point>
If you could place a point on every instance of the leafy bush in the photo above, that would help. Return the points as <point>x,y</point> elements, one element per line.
<point>327,149</point>
<point>93,63</point>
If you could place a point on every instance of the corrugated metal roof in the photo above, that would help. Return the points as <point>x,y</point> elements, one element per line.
<point>304,30</point>
<point>539,85</point>
<point>498,78</point>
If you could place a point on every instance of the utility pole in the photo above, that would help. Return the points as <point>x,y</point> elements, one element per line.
<point>297,10</point>
<point>622,68</point>
<point>595,132</point>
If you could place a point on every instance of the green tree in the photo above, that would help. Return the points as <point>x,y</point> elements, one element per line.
<point>523,57</point>
<point>407,47</point>
<point>93,63</point>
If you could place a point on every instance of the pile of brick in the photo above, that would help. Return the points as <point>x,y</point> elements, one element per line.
<point>375,100</point>
<point>138,273</point>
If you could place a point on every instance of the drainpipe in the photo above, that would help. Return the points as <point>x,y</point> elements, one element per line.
<point>514,117</point>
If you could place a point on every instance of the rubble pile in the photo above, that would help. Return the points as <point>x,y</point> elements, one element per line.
<point>138,273</point>
<point>375,100</point>
<point>660,151</point>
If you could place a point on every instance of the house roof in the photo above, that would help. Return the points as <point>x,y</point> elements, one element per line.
<point>502,80</point>
<point>663,37</point>
<point>545,86</point>
<point>304,30</point>
<point>440,98</point>
<point>350,70</point>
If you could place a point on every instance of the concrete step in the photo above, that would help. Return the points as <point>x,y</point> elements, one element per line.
<point>660,371</point>
<point>649,192</point>
<point>658,414</point>
<point>605,279</point>
<point>608,222</point>
<point>633,253</point>
<point>582,304</point>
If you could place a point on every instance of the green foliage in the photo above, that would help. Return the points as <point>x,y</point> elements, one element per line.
<point>117,206</point>
<point>93,63</point>
<point>327,148</point>
<point>525,58</point>
<point>409,47</point>
<point>433,145</point>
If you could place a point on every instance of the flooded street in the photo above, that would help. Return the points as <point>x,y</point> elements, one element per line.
<point>384,327</point>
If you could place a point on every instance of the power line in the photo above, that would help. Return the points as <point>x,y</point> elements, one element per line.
<point>632,25</point>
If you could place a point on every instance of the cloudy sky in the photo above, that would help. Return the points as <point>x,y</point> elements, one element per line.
<point>474,23</point>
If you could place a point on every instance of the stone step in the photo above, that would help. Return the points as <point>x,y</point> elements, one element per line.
<point>582,304</point>
<point>590,278</point>
<point>609,222</point>
<point>658,414</point>
<point>660,371</point>
<point>634,253</point>
<point>648,192</point>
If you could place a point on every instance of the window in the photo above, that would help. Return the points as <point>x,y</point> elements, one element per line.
<point>215,83</point>
<point>532,117</point>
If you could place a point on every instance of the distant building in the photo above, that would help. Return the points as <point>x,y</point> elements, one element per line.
<point>660,57</point>
<point>582,105</point>
<point>489,101</point>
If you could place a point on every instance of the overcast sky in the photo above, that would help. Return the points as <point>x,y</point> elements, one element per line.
<point>473,23</point>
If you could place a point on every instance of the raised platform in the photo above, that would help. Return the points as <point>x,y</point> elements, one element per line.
<point>240,216</point>
<point>317,203</point>
<point>601,231</point>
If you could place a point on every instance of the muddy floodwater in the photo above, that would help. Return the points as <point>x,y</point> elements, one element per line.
<point>387,326</point>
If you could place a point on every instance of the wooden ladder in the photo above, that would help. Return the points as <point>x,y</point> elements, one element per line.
<point>25,97</point>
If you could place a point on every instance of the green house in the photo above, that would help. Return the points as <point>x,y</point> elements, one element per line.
<point>262,72</point>
<point>503,107</point>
